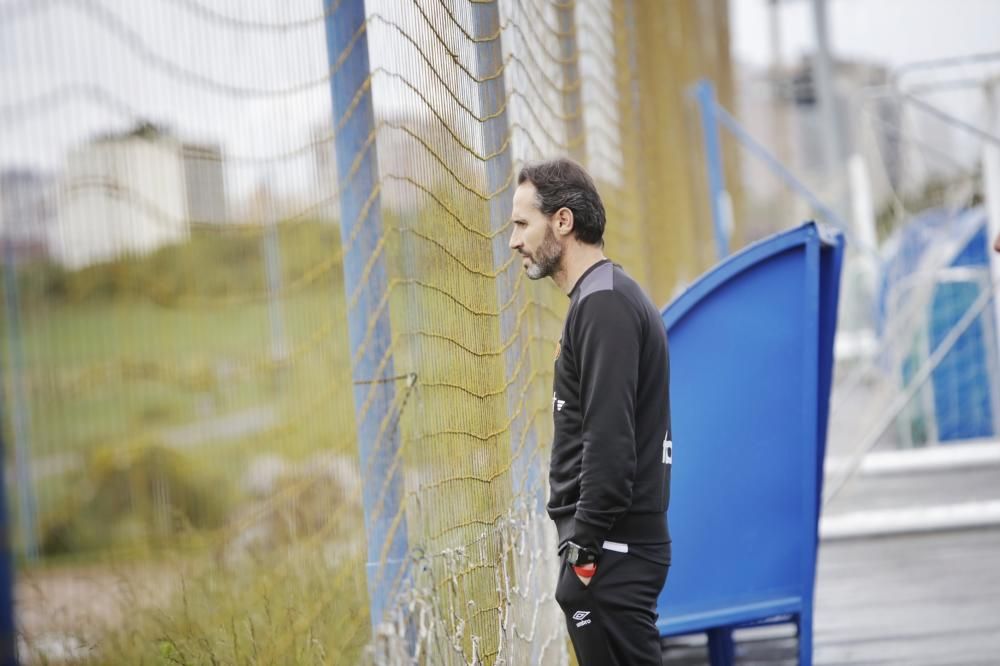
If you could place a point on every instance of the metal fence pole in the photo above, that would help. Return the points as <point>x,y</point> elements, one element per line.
<point>991,200</point>
<point>704,92</point>
<point>8,637</point>
<point>365,284</point>
<point>822,72</point>
<point>569,53</point>
<point>500,185</point>
<point>20,415</point>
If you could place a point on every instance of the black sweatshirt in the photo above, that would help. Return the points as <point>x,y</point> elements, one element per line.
<point>609,475</point>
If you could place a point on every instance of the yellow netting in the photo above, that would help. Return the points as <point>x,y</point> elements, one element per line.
<point>179,409</point>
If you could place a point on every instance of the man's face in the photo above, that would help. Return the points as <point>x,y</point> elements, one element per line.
<point>533,237</point>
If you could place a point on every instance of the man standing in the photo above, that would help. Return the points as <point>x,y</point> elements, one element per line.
<point>611,453</point>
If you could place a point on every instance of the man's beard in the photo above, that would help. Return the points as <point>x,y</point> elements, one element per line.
<point>547,259</point>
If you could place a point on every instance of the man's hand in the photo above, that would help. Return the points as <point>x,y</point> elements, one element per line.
<point>585,572</point>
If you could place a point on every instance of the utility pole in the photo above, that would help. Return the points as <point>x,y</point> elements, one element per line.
<point>825,96</point>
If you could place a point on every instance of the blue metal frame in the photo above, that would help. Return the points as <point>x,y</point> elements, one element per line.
<point>756,149</point>
<point>808,259</point>
<point>812,464</point>
<point>714,115</point>
<point>8,634</point>
<point>361,218</point>
<point>704,92</point>
<point>722,273</point>
<point>20,411</point>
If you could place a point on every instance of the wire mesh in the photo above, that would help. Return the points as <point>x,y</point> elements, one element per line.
<point>927,189</point>
<point>202,299</point>
<point>916,339</point>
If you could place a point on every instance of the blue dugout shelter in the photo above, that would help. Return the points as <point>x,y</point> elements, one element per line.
<point>751,347</point>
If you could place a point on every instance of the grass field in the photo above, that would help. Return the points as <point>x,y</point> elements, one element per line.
<point>172,440</point>
<point>99,372</point>
<point>109,368</point>
<point>154,391</point>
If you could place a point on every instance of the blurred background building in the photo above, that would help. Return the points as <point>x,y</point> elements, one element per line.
<point>133,193</point>
<point>27,205</point>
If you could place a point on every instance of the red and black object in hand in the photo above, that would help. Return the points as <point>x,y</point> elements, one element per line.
<point>583,560</point>
<point>576,554</point>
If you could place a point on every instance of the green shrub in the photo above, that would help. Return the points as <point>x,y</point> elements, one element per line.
<point>136,496</point>
<point>209,265</point>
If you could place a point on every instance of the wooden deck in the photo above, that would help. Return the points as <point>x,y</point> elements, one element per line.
<point>928,598</point>
<point>913,599</point>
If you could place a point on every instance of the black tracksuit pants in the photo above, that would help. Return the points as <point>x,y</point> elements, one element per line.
<point>612,621</point>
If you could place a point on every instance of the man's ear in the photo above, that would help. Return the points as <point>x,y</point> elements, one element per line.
<point>563,222</point>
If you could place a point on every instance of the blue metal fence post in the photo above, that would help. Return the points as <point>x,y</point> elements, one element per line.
<point>704,92</point>
<point>365,283</point>
<point>8,637</point>
<point>20,416</point>
<point>721,649</point>
<point>499,185</point>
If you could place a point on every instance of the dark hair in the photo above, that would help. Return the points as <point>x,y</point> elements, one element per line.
<point>562,183</point>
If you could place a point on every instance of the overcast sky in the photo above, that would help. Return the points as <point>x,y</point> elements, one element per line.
<point>893,33</point>
<point>262,91</point>
<point>887,31</point>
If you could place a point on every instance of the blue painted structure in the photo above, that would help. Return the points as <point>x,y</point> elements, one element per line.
<point>962,399</point>
<point>963,403</point>
<point>365,283</point>
<point>23,478</point>
<point>8,635</point>
<point>20,411</point>
<point>751,347</point>
<point>704,92</point>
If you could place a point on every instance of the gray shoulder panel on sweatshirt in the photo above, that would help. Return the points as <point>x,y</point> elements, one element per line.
<point>601,278</point>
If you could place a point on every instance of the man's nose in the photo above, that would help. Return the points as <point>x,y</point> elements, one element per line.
<point>996,243</point>
<point>515,242</point>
